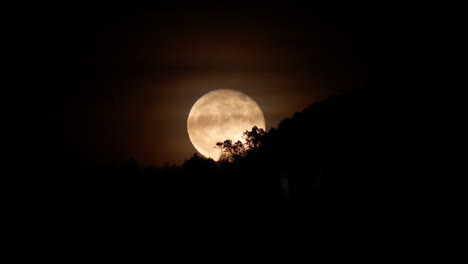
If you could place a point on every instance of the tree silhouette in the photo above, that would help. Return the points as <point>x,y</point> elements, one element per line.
<point>254,138</point>
<point>197,162</point>
<point>231,152</point>
<point>235,151</point>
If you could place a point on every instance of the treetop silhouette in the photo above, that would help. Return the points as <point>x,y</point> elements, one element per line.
<point>234,151</point>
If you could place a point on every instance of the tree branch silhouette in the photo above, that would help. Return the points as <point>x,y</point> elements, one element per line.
<point>235,151</point>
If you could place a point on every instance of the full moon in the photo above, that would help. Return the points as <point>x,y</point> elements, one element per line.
<point>220,115</point>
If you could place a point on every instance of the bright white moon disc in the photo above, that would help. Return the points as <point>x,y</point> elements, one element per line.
<point>220,115</point>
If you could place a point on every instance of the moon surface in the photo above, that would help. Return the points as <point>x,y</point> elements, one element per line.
<point>219,115</point>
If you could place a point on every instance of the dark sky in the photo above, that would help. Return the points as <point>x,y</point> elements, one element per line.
<point>90,85</point>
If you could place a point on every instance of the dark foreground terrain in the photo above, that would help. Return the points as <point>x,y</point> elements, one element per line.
<point>352,177</point>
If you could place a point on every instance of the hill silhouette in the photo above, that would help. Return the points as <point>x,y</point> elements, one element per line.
<point>365,173</point>
<point>374,175</point>
<point>350,177</point>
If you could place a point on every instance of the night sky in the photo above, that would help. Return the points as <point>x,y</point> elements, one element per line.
<point>95,86</point>
<point>97,164</point>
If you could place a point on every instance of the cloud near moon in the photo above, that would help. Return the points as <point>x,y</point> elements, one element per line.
<point>220,115</point>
